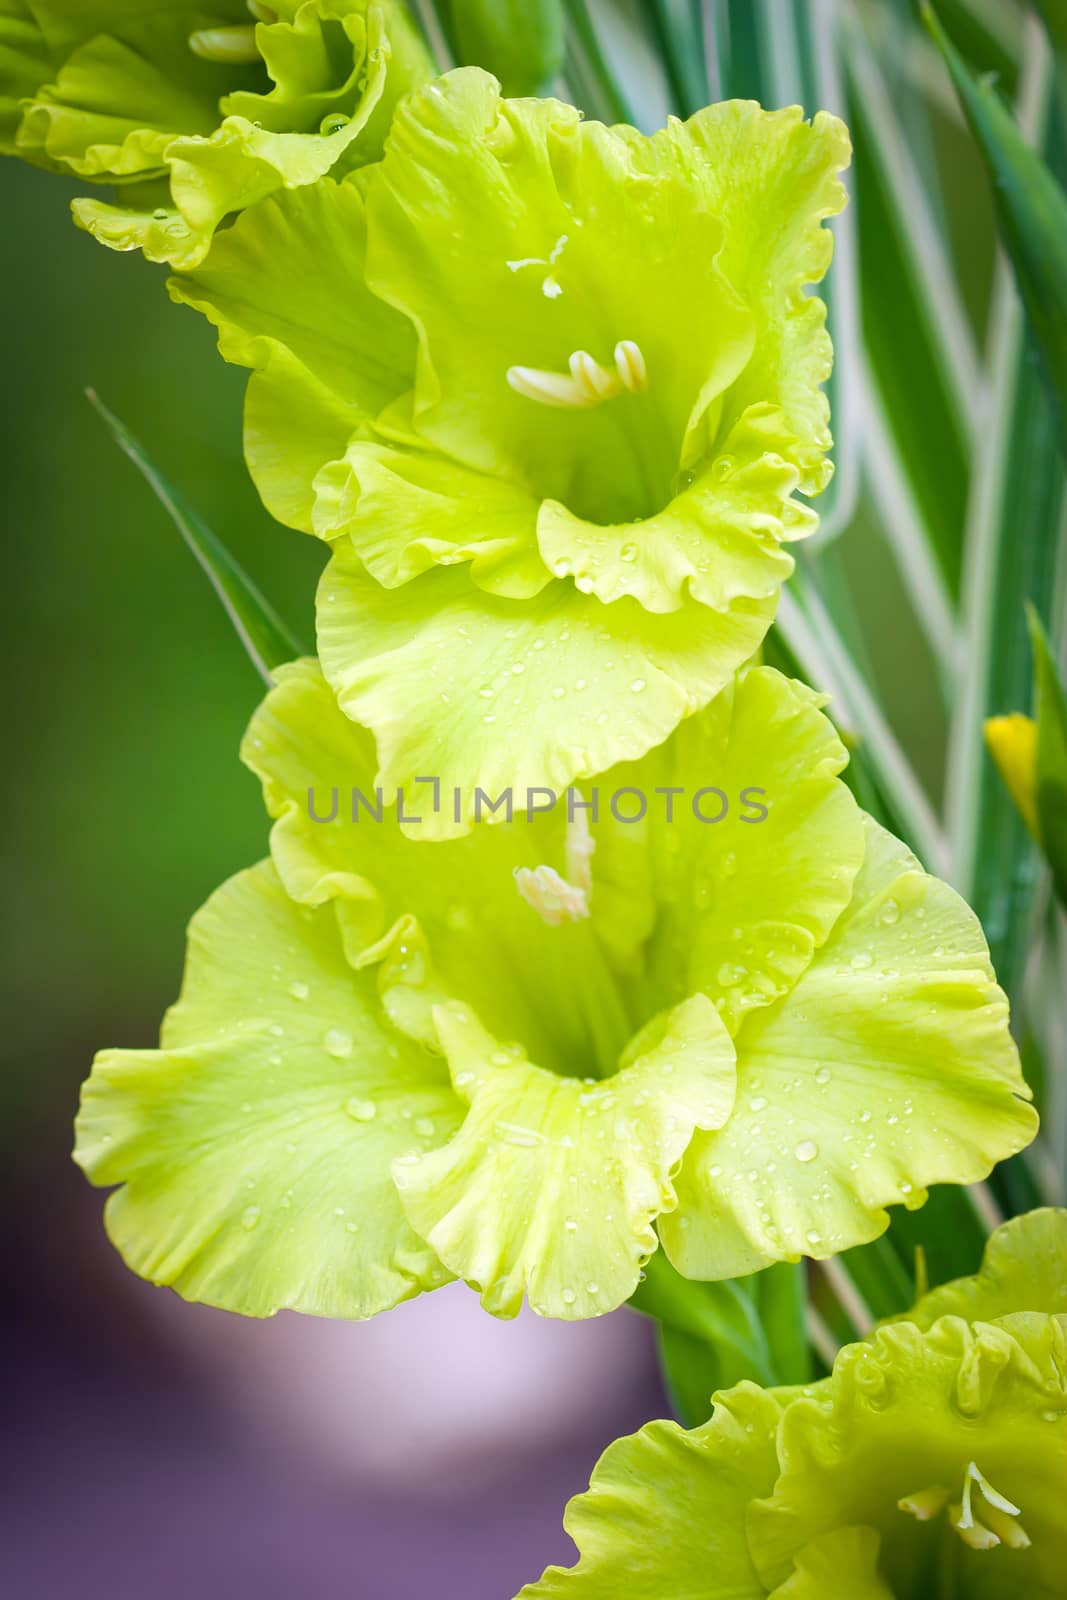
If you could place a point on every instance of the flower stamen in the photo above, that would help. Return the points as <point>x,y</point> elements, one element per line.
<point>997,1524</point>
<point>237,45</point>
<point>587,383</point>
<point>579,845</point>
<point>554,899</point>
<point>630,365</point>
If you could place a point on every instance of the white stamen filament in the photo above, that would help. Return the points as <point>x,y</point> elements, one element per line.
<point>997,1524</point>
<point>236,45</point>
<point>554,899</point>
<point>579,845</point>
<point>587,383</point>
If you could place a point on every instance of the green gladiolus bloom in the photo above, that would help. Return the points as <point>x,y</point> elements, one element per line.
<point>509,1056</point>
<point>551,392</point>
<point>199,110</point>
<point>933,1462</point>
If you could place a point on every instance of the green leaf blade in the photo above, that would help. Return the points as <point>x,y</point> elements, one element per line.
<point>267,639</point>
<point>1032,210</point>
<point>1050,704</point>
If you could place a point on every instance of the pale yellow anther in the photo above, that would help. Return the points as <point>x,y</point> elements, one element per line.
<point>554,899</point>
<point>232,45</point>
<point>555,389</point>
<point>597,381</point>
<point>630,365</point>
<point>974,1534</point>
<point>1006,1528</point>
<point>995,1525</point>
<point>586,383</point>
<point>925,1505</point>
<point>550,388</point>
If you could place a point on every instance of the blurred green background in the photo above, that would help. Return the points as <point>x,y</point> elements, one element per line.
<point>125,803</point>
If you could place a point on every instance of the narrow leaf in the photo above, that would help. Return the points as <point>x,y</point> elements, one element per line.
<point>1050,705</point>
<point>262,632</point>
<point>1032,209</point>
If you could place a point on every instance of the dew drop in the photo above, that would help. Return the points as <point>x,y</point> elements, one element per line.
<point>299,991</point>
<point>806,1150</point>
<point>361,1110</point>
<point>250,1218</point>
<point>823,1075</point>
<point>568,1297</point>
<point>338,1043</point>
<point>424,1127</point>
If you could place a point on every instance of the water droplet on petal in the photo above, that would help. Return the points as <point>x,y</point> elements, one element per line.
<point>338,1043</point>
<point>806,1150</point>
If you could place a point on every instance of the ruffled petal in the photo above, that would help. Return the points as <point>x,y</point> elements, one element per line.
<point>587,237</point>
<point>664,1511</point>
<point>127,84</point>
<point>1024,1269</point>
<point>743,879</point>
<point>25,64</point>
<point>889,1067</point>
<point>843,1562</point>
<point>486,692</point>
<point>551,1185</point>
<point>772,178</point>
<point>253,1150</point>
<point>906,1414</point>
<point>716,542</point>
<point>289,273</point>
<point>408,511</point>
<point>132,97</point>
<point>442,922</point>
